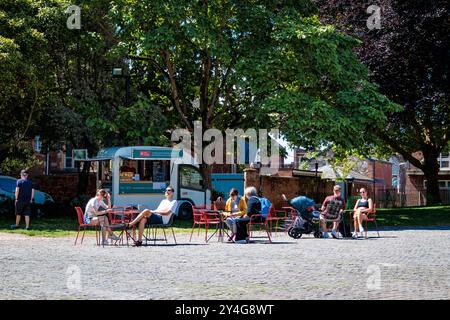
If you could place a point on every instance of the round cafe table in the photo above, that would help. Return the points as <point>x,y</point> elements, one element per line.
<point>220,225</point>
<point>120,216</point>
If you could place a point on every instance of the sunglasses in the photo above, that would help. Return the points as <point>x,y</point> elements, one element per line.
<point>169,190</point>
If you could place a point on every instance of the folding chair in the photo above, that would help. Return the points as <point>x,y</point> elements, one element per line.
<point>81,224</point>
<point>162,226</point>
<point>372,217</point>
<point>333,214</point>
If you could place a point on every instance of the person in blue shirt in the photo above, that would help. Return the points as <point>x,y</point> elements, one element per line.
<point>24,198</point>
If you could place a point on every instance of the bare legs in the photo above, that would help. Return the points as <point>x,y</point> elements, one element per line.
<point>323,224</point>
<point>104,223</point>
<point>27,220</point>
<point>358,219</point>
<point>142,219</point>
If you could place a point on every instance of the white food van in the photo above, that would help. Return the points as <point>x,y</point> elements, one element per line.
<point>139,175</point>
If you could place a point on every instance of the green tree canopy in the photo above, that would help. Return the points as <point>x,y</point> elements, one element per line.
<point>409,57</point>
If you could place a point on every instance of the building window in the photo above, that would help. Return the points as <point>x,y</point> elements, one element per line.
<point>443,184</point>
<point>68,157</point>
<point>444,161</point>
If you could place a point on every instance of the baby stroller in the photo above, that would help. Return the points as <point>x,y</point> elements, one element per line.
<point>306,221</point>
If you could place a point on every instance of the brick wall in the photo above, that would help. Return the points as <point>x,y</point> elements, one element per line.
<point>383,171</point>
<point>62,187</point>
<point>272,187</point>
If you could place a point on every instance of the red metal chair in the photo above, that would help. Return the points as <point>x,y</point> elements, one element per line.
<point>201,216</point>
<point>259,220</point>
<point>274,216</point>
<point>372,217</point>
<point>81,224</point>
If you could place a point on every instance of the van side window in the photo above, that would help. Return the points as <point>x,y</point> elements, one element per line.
<point>190,177</point>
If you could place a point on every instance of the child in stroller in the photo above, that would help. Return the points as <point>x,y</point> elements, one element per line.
<point>307,217</point>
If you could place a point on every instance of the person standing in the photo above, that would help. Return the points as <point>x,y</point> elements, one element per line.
<point>24,198</point>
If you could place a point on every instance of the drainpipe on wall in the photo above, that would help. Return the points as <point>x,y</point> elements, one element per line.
<point>47,158</point>
<point>373,176</point>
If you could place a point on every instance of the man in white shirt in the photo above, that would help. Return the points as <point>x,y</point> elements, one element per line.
<point>161,215</point>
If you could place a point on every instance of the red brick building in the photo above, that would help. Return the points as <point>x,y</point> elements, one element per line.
<point>415,182</point>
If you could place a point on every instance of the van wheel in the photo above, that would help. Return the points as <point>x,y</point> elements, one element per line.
<point>185,211</point>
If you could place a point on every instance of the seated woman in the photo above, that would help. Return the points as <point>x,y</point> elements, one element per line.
<point>94,216</point>
<point>161,215</point>
<point>362,207</point>
<point>235,207</point>
<point>253,207</point>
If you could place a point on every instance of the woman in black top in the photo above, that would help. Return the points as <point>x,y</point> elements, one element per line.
<point>362,207</point>
<point>253,207</point>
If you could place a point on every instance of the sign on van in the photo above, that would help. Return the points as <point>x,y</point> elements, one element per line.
<point>156,154</point>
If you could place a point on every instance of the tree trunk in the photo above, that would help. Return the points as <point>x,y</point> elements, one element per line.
<point>206,171</point>
<point>431,172</point>
<point>83,179</point>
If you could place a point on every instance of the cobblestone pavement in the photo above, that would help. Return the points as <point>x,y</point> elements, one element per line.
<point>402,264</point>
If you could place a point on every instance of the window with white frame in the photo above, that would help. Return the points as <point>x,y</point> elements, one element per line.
<point>443,184</point>
<point>444,161</point>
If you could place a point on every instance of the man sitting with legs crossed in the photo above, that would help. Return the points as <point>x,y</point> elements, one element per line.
<point>161,215</point>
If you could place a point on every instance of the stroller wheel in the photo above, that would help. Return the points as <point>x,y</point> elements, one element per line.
<point>317,234</point>
<point>294,233</point>
<point>291,232</point>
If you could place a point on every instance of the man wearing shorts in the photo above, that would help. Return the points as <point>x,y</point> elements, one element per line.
<point>332,206</point>
<point>161,215</point>
<point>24,198</point>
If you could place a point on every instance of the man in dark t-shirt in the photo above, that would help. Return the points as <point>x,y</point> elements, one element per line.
<point>332,207</point>
<point>24,198</point>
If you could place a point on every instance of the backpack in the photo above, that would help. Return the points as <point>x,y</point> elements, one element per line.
<point>265,206</point>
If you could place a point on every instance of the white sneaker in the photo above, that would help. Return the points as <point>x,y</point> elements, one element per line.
<point>105,243</point>
<point>361,229</point>
<point>355,235</point>
<point>114,237</point>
